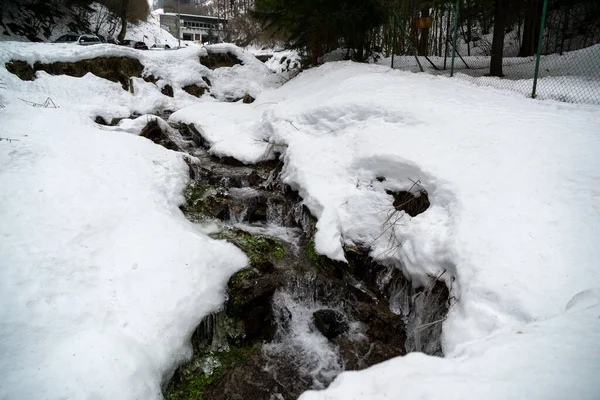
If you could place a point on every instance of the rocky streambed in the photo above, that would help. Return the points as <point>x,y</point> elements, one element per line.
<point>293,320</point>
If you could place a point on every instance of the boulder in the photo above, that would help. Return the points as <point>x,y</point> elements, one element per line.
<point>330,323</point>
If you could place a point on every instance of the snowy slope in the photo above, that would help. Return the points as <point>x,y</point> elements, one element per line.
<point>513,221</point>
<point>102,279</point>
<point>177,68</point>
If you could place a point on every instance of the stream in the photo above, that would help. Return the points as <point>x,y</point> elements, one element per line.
<point>293,320</point>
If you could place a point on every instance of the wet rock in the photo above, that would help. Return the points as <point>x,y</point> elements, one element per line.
<point>167,90</point>
<point>411,203</point>
<point>330,323</point>
<point>154,132</point>
<point>194,90</point>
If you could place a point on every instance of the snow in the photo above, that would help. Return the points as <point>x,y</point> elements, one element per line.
<point>572,77</point>
<point>514,219</point>
<point>532,362</point>
<point>177,68</point>
<point>102,278</point>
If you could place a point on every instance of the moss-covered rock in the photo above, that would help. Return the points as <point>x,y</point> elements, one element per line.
<point>191,381</point>
<point>258,248</point>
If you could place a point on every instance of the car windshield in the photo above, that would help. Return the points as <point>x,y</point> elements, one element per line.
<point>88,39</point>
<point>66,38</point>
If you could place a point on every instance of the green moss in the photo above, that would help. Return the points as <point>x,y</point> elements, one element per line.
<point>311,253</point>
<point>196,207</point>
<point>320,261</point>
<point>193,381</point>
<point>191,388</point>
<point>279,252</point>
<point>242,275</point>
<point>258,248</point>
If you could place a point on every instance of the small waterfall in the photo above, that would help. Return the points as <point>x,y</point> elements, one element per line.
<point>211,334</point>
<point>423,312</point>
<point>298,345</point>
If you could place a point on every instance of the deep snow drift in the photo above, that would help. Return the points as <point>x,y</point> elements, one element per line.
<point>513,220</point>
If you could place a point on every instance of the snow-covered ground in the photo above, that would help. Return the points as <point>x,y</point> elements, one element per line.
<point>573,77</point>
<point>102,278</point>
<point>514,216</point>
<point>177,68</point>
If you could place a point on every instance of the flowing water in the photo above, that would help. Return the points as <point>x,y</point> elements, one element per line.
<point>293,320</point>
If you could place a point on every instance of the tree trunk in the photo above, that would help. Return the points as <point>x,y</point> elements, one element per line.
<point>531,28</point>
<point>498,39</point>
<point>315,49</point>
<point>124,7</point>
<point>424,40</point>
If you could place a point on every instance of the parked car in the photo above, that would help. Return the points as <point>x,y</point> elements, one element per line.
<point>134,44</point>
<point>83,40</point>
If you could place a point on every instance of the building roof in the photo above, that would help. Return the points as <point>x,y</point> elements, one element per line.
<point>221,19</point>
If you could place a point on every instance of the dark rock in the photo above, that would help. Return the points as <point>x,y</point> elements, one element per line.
<point>215,60</point>
<point>207,81</point>
<point>264,57</point>
<point>194,90</point>
<point>115,69</point>
<point>100,120</point>
<point>254,178</point>
<point>412,204</point>
<point>247,99</point>
<point>153,132</point>
<point>330,323</point>
<point>167,90</point>
<point>151,78</point>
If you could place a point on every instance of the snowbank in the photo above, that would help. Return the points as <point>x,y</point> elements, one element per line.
<point>513,219</point>
<point>177,68</point>
<point>102,279</point>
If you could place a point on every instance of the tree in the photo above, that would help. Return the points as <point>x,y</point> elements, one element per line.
<point>498,39</point>
<point>424,39</point>
<point>128,11</point>
<point>321,25</point>
<point>531,28</point>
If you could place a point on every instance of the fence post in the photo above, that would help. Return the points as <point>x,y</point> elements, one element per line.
<point>455,36</point>
<point>539,49</point>
<point>394,38</point>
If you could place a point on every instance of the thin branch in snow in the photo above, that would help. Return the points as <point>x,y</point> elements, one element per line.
<point>49,103</point>
<point>9,140</point>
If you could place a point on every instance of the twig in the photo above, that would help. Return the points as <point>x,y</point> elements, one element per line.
<point>9,140</point>
<point>420,327</point>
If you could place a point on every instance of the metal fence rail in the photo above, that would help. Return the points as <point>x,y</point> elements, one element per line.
<point>560,62</point>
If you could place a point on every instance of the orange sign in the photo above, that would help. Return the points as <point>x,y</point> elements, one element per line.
<point>424,22</point>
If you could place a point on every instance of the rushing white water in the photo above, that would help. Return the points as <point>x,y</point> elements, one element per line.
<point>298,343</point>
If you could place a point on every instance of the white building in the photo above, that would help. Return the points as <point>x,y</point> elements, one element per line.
<point>194,27</point>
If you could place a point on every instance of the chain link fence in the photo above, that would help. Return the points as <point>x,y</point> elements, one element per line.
<point>560,39</point>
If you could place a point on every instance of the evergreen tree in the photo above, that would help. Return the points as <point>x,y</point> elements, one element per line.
<point>321,25</point>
